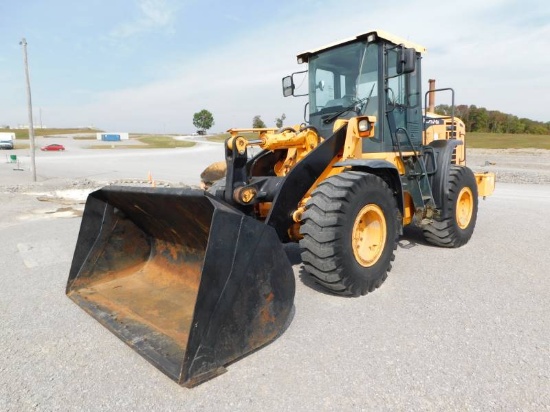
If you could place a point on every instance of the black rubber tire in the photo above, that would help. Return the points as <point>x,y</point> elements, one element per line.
<point>327,230</point>
<point>447,232</point>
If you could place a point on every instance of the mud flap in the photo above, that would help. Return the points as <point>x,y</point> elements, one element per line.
<point>184,279</point>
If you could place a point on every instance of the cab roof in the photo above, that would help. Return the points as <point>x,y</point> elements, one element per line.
<point>378,34</point>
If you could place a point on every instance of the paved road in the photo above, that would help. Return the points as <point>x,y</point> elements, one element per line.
<point>464,329</point>
<point>79,162</point>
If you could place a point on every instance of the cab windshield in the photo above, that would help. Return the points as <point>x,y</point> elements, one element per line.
<point>345,77</point>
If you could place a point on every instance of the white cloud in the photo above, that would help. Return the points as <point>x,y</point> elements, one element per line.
<point>154,14</point>
<point>490,63</point>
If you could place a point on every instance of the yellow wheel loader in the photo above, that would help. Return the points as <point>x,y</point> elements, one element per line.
<point>194,279</point>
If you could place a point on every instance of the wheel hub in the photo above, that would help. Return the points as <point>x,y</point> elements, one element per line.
<point>464,207</point>
<point>369,235</point>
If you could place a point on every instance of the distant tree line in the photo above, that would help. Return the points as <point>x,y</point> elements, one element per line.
<point>479,119</point>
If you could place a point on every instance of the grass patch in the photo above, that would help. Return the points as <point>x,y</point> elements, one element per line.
<point>218,137</point>
<point>24,133</point>
<point>507,141</point>
<point>163,142</point>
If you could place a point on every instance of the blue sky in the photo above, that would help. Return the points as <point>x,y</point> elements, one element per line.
<point>148,65</point>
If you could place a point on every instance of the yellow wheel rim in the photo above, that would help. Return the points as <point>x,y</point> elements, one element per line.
<point>369,235</point>
<point>464,207</point>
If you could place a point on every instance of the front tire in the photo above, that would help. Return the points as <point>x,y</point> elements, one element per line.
<point>457,229</point>
<point>349,231</point>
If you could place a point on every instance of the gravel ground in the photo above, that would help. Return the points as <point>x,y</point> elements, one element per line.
<point>518,166</point>
<point>461,329</point>
<point>512,165</point>
<point>522,166</point>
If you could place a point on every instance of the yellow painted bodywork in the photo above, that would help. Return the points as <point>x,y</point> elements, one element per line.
<point>408,209</point>
<point>299,143</point>
<point>445,131</point>
<point>303,57</point>
<point>485,183</point>
<point>353,148</point>
<point>260,131</point>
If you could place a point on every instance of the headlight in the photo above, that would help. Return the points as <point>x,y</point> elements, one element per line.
<point>364,125</point>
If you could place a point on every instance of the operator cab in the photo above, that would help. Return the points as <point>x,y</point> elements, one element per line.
<point>373,74</point>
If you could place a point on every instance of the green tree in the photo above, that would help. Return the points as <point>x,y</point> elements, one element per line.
<point>203,120</point>
<point>497,121</point>
<point>514,125</point>
<point>257,122</point>
<point>280,120</point>
<point>478,119</point>
<point>462,111</point>
<point>533,127</point>
<point>443,109</point>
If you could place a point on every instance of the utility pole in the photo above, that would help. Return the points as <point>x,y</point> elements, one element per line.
<point>23,42</point>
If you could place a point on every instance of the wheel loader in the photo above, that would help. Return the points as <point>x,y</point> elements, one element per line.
<point>195,279</point>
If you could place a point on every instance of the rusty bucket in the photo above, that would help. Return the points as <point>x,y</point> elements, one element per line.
<point>184,279</point>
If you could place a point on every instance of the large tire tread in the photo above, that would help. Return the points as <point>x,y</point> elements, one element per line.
<point>446,232</point>
<point>326,243</point>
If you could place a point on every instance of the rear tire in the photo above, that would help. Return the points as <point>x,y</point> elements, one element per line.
<point>457,229</point>
<point>349,231</point>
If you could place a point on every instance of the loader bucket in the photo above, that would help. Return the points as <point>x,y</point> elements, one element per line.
<point>187,281</point>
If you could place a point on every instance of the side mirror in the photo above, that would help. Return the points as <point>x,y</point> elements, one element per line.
<point>288,86</point>
<point>407,61</point>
